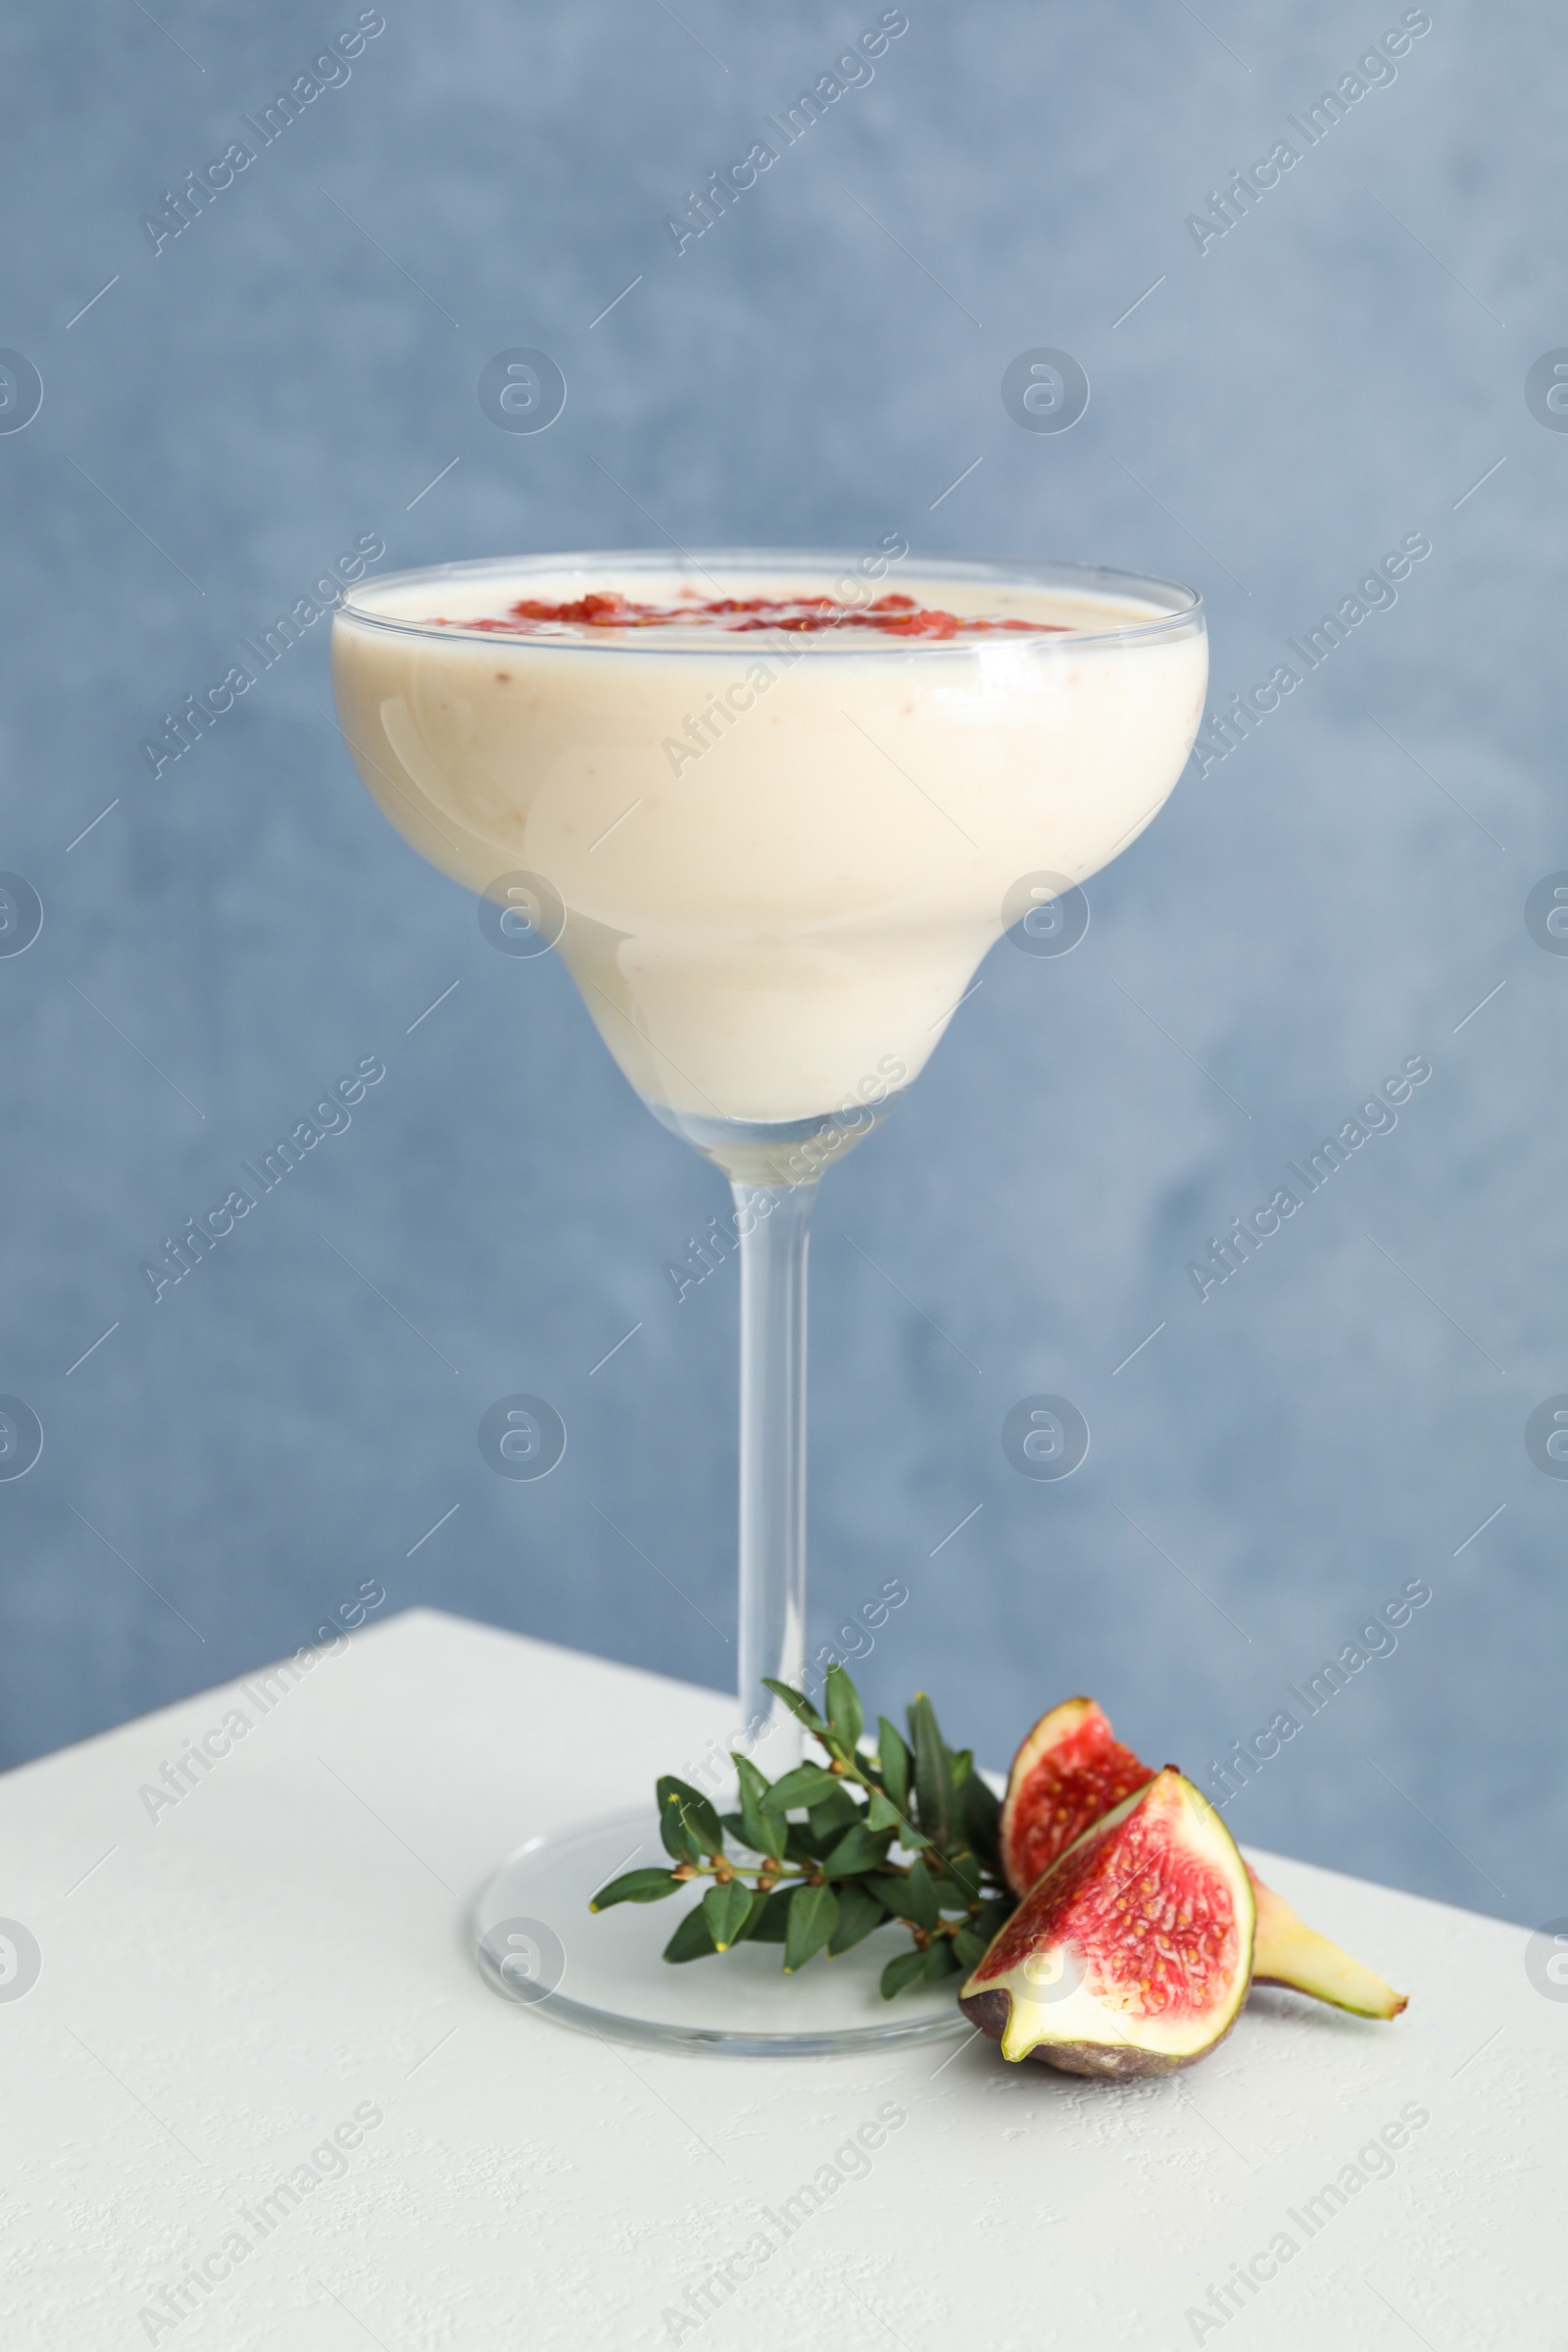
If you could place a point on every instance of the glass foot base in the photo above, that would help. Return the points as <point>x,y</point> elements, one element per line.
<point>537,1943</point>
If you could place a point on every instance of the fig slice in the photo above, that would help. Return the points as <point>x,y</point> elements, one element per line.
<point>1068,1772</point>
<point>1071,1769</point>
<point>1133,1952</point>
<point>1289,1952</point>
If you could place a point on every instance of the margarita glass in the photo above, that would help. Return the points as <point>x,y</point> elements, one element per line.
<point>771,809</point>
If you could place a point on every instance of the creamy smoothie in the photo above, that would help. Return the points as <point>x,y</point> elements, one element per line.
<point>775,817</point>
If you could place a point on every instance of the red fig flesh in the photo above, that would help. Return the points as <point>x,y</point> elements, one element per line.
<point>1132,1954</point>
<point>1067,1776</point>
<point>1072,1769</point>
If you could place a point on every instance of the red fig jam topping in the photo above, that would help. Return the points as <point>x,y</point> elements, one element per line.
<point>888,616</point>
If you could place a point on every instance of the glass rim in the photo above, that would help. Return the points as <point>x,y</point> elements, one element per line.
<point>1185,608</point>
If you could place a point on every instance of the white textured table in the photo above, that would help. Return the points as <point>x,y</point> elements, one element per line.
<point>264,1990</point>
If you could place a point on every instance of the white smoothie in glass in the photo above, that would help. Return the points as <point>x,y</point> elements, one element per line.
<point>780,839</point>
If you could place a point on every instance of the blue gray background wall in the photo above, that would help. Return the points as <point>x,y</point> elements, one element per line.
<point>1269,416</point>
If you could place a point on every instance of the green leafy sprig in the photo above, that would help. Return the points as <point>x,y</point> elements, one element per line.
<point>820,1859</point>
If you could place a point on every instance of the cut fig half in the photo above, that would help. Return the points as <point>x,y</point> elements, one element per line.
<point>1071,1771</point>
<point>1133,1952</point>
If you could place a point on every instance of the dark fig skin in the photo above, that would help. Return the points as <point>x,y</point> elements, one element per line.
<point>989,2011</point>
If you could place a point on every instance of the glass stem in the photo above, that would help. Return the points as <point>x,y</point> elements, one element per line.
<point>773,1222</point>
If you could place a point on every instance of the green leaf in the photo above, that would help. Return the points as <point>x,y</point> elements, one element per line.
<point>882,1813</point>
<point>814,1916</point>
<point>959,1766</point>
<point>802,1846</point>
<point>835,1814</point>
<point>754,1917</point>
<point>636,1886</point>
<point>763,1831</point>
<point>900,1972</point>
<point>846,1717</point>
<point>860,1913</point>
<point>889,1889</point>
<point>932,1788</point>
<point>678,1838</point>
<point>964,1883</point>
<point>694,1812</point>
<point>982,1822</point>
<point>701,1815</point>
<point>771,1924</point>
<point>920,1895</point>
<point>893,1760</point>
<point>940,1961</point>
<point>726,1910</point>
<point>970,1947</point>
<point>692,1940</point>
<point>806,1785</point>
<point>798,1706</point>
<point>856,1852</point>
